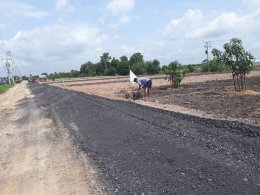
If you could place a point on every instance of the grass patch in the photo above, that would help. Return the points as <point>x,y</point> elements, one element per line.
<point>256,67</point>
<point>5,87</point>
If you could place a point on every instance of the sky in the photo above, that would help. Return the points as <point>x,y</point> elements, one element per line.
<point>60,35</point>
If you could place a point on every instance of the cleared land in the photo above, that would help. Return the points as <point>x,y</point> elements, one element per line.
<point>205,95</point>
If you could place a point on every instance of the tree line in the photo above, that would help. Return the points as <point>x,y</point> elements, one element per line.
<point>108,66</point>
<point>234,59</point>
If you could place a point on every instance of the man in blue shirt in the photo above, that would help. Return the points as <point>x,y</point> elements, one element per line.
<point>145,83</point>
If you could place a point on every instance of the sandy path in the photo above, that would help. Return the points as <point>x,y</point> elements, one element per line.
<point>35,156</point>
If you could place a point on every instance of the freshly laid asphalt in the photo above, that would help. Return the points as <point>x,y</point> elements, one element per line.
<point>143,150</point>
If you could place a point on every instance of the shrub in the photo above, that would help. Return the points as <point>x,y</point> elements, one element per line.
<point>176,73</point>
<point>138,68</point>
<point>111,71</point>
<point>213,66</point>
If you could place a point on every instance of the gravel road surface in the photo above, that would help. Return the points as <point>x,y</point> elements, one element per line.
<point>144,150</point>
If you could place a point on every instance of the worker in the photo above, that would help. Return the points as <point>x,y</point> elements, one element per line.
<point>145,83</point>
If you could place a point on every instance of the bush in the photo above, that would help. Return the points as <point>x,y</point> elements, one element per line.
<point>190,68</point>
<point>176,72</point>
<point>213,66</point>
<point>152,67</point>
<point>138,68</point>
<point>123,68</point>
<point>111,71</point>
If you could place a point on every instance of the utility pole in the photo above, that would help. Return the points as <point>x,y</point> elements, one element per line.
<point>207,46</point>
<point>7,63</point>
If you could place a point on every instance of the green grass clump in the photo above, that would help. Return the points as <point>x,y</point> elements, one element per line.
<point>5,87</point>
<point>256,67</point>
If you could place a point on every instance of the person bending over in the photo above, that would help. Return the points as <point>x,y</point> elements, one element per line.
<point>145,83</point>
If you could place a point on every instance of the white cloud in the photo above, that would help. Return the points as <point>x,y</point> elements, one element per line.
<point>64,5</point>
<point>216,27</point>
<point>116,36</point>
<point>252,2</point>
<point>124,20</point>
<point>120,6</point>
<point>19,9</point>
<point>227,23</point>
<point>127,50</point>
<point>194,25</point>
<point>53,48</point>
<point>191,19</point>
<point>189,32</point>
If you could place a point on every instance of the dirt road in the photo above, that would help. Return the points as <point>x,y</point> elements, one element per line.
<point>36,155</point>
<point>138,149</point>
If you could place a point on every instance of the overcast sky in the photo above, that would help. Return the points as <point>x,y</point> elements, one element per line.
<point>60,35</point>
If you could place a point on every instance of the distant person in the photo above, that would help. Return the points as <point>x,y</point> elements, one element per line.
<point>145,83</point>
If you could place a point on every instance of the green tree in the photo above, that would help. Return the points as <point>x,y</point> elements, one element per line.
<point>44,73</point>
<point>237,59</point>
<point>88,69</point>
<point>190,68</point>
<point>114,63</point>
<point>74,73</point>
<point>164,67</point>
<point>176,73</point>
<point>138,68</point>
<point>99,69</point>
<point>213,66</point>
<point>135,58</point>
<point>123,59</point>
<point>123,68</point>
<point>111,71</point>
<point>105,59</point>
<point>152,67</point>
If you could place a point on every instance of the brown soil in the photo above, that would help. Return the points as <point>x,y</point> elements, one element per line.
<point>216,98</point>
<point>204,95</point>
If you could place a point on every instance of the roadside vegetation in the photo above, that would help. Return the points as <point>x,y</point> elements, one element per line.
<point>256,67</point>
<point>5,87</point>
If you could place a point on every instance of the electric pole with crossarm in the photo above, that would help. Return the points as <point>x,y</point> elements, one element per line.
<point>207,46</point>
<point>7,60</point>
